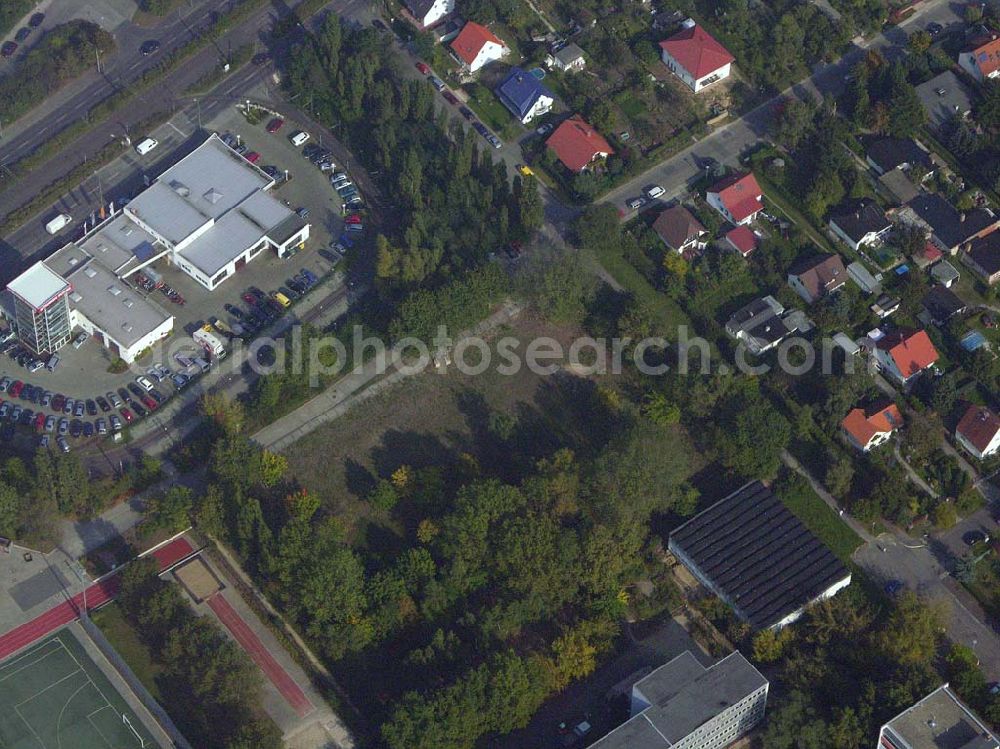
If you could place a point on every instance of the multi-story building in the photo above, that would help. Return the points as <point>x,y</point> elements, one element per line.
<point>684,705</point>
<point>938,721</point>
<point>41,309</point>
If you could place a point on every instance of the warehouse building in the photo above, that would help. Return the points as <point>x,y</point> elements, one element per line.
<point>753,553</point>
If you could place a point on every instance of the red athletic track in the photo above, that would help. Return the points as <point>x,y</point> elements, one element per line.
<point>251,643</point>
<point>97,595</point>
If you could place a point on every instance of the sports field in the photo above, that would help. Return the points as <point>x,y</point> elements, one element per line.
<point>53,696</point>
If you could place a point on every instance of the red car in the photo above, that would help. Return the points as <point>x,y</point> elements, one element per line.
<point>450,98</point>
<point>275,125</point>
<point>15,388</point>
<point>424,68</point>
<point>148,402</point>
<point>127,415</point>
<point>253,157</point>
<point>39,422</point>
<point>354,218</point>
<point>249,298</point>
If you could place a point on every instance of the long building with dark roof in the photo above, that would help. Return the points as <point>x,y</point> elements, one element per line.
<point>751,551</point>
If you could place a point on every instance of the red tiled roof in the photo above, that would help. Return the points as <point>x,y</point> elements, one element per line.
<point>741,195</point>
<point>697,51</point>
<point>743,240</point>
<point>864,425</point>
<point>987,57</point>
<point>911,350</point>
<point>576,143</point>
<point>932,253</point>
<point>471,39</point>
<point>979,426</point>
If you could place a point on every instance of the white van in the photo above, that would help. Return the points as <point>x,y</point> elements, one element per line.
<point>300,137</point>
<point>145,146</point>
<point>59,223</point>
<point>654,191</point>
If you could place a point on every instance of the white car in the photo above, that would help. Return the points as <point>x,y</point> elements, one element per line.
<point>299,138</point>
<point>654,191</point>
<point>144,383</point>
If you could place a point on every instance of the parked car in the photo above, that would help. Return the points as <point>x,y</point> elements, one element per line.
<point>43,442</point>
<point>36,20</point>
<point>102,426</point>
<point>116,423</point>
<point>50,423</point>
<point>466,113</point>
<point>103,404</point>
<point>91,407</point>
<point>144,383</point>
<point>974,537</point>
<point>63,425</point>
<point>253,157</point>
<point>115,400</point>
<point>8,49</point>
<point>80,339</point>
<point>88,429</point>
<point>126,414</point>
<point>275,125</point>
<point>423,68</point>
<point>450,98</point>
<point>63,443</point>
<point>149,47</point>
<point>636,203</point>
<point>544,129</point>
<point>22,33</point>
<point>437,83</point>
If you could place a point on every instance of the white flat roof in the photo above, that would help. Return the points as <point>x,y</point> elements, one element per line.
<point>38,285</point>
<point>231,236</point>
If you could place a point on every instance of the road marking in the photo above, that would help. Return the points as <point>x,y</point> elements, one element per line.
<point>183,134</point>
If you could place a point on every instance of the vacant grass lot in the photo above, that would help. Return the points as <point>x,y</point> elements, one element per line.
<point>817,516</point>
<point>126,641</point>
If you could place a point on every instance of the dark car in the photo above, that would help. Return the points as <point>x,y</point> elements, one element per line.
<point>137,407</point>
<point>88,429</point>
<point>377,23</point>
<point>974,537</point>
<point>36,20</point>
<point>75,428</point>
<point>22,33</point>
<point>91,407</point>
<point>157,395</point>
<point>149,47</point>
<point>8,49</point>
<point>260,58</point>
<point>235,311</point>
<point>103,404</point>
<point>480,128</point>
<point>137,391</point>
<point>466,113</point>
<point>934,28</point>
<point>124,394</point>
<point>450,98</point>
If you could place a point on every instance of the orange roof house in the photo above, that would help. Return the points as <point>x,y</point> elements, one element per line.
<point>576,144</point>
<point>982,61</point>
<point>738,198</point>
<point>695,56</point>
<point>868,428</point>
<point>477,46</point>
<point>904,354</point>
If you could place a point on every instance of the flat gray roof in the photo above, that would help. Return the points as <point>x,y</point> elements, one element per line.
<point>956,101</point>
<point>120,244</point>
<point>108,302</point>
<point>38,285</point>
<point>684,695</point>
<point>939,721</point>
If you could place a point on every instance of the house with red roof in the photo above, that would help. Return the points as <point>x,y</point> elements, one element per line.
<point>576,144</point>
<point>476,46</point>
<point>982,61</point>
<point>978,432</point>
<point>738,198</point>
<point>904,354</point>
<point>867,428</point>
<point>742,239</point>
<point>694,56</point>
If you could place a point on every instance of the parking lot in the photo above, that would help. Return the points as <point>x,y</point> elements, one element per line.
<point>87,372</point>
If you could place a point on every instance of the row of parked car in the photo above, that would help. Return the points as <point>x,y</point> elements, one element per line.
<point>122,406</point>
<point>449,97</point>
<point>262,309</point>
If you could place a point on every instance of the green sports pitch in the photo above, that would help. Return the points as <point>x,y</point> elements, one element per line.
<point>53,696</point>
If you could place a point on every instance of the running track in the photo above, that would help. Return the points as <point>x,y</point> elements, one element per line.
<point>251,643</point>
<point>97,595</point>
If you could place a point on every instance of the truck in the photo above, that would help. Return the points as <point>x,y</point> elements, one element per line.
<point>209,341</point>
<point>59,223</point>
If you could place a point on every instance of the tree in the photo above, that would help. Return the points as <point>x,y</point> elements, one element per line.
<point>795,121</point>
<point>796,725</point>
<point>919,41</point>
<point>598,229</point>
<point>10,511</point>
<point>530,211</point>
<point>911,634</point>
<point>769,645</point>
<point>171,511</point>
<point>660,410</point>
<point>560,288</point>
<point>752,437</point>
<point>945,515</point>
<point>383,496</point>
<point>273,467</point>
<point>839,477</point>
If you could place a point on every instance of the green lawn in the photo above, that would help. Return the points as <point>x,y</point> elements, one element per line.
<point>818,517</point>
<point>493,114</point>
<point>126,641</point>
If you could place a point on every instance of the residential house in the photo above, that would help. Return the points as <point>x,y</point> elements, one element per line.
<point>742,239</point>
<point>577,145</point>
<point>429,12</point>
<point>978,431</point>
<point>679,229</point>
<point>981,59</point>
<point>885,154</point>
<point>938,721</point>
<point>945,98</point>
<point>940,305</point>
<point>904,354</point>
<point>898,187</point>
<point>860,225</point>
<point>684,704</point>
<point>983,257</point>
<point>568,59</point>
<point>867,428</point>
<point>524,96</point>
<point>815,277</point>
<point>738,198</point>
<point>445,32</point>
<point>759,325</point>
<point>868,283</point>
<point>885,306</point>
<point>476,46</point>
<point>945,274</point>
<point>694,56</point>
<point>950,228</point>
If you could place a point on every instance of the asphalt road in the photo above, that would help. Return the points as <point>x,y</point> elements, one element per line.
<point>726,143</point>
